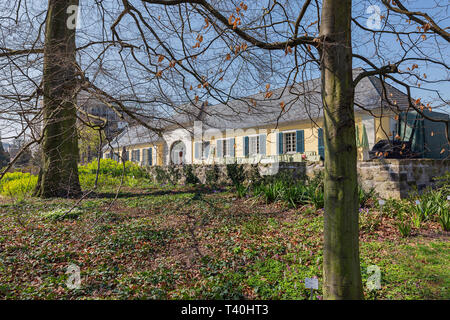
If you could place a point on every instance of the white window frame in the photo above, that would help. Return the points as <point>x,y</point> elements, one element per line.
<point>253,145</point>
<point>293,142</point>
<point>203,155</point>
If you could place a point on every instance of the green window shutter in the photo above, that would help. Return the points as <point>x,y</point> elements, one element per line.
<point>300,137</point>
<point>246,146</point>
<point>280,142</point>
<point>231,147</point>
<point>262,144</point>
<point>321,146</point>
<point>219,147</point>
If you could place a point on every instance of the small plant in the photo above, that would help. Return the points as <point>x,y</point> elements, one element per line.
<point>174,175</point>
<point>404,227</point>
<point>236,173</point>
<point>212,176</point>
<point>271,191</point>
<point>369,221</point>
<point>161,175</point>
<point>443,184</point>
<point>191,178</point>
<point>365,196</point>
<point>417,218</point>
<point>395,208</point>
<point>241,191</point>
<point>17,184</point>
<point>62,213</point>
<point>443,214</point>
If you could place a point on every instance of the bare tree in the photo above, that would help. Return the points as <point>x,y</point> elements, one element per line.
<point>147,58</point>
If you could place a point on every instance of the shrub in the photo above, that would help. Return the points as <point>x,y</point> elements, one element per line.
<point>241,191</point>
<point>443,183</point>
<point>270,191</point>
<point>365,196</point>
<point>292,192</point>
<point>212,176</point>
<point>161,175</point>
<point>236,173</point>
<point>17,184</point>
<point>173,175</point>
<point>443,214</point>
<point>369,221</point>
<point>113,168</point>
<point>62,213</point>
<point>396,208</point>
<point>191,178</point>
<point>404,227</point>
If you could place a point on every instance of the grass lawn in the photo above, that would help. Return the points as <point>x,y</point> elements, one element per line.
<point>191,243</point>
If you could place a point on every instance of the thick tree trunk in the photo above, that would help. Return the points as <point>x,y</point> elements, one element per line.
<point>342,275</point>
<point>58,176</point>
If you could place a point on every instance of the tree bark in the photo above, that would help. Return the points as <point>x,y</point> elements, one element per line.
<point>58,175</point>
<point>342,275</point>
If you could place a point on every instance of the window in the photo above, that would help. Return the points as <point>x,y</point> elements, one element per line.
<point>254,145</point>
<point>225,148</point>
<point>136,155</point>
<point>289,142</point>
<point>201,150</point>
<point>205,149</point>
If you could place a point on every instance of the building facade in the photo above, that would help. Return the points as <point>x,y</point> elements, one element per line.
<point>287,127</point>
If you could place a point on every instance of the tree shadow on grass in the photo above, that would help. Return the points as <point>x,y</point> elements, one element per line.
<point>135,194</point>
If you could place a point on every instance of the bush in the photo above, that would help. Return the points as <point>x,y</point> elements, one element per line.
<point>443,214</point>
<point>61,214</point>
<point>110,174</point>
<point>87,180</point>
<point>241,191</point>
<point>113,168</point>
<point>17,184</point>
<point>191,178</point>
<point>365,196</point>
<point>443,183</point>
<point>292,192</point>
<point>428,204</point>
<point>212,176</point>
<point>404,227</point>
<point>236,173</point>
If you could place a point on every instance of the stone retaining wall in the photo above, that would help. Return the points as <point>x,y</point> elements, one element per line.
<point>396,178</point>
<point>391,178</point>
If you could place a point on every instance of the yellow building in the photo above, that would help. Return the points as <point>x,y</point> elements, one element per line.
<point>285,127</point>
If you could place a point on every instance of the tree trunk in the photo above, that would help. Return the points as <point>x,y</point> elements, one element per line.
<point>342,275</point>
<point>58,176</point>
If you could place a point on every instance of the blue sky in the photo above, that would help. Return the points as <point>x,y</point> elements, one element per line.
<point>362,44</point>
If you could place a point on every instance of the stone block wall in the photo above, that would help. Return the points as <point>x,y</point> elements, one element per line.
<point>391,178</point>
<point>396,178</point>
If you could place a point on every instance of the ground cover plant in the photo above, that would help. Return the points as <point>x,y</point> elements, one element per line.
<point>197,242</point>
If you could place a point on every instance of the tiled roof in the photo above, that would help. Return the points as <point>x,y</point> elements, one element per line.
<point>301,102</point>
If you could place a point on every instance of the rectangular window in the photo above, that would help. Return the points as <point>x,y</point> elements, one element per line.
<point>254,145</point>
<point>289,142</point>
<point>205,149</point>
<point>225,148</point>
<point>135,155</point>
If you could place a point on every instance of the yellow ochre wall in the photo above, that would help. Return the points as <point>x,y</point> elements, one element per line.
<point>310,134</point>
